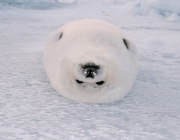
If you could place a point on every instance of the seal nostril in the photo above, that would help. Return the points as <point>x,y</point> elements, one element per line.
<point>94,73</point>
<point>85,72</point>
<point>79,82</point>
<point>100,83</point>
<point>90,74</point>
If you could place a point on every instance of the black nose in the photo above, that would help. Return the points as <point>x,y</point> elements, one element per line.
<point>90,70</point>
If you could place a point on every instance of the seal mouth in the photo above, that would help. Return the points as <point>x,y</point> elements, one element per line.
<point>97,83</point>
<point>79,82</point>
<point>100,83</point>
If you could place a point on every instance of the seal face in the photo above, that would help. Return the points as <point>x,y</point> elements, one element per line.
<point>90,70</point>
<point>91,61</point>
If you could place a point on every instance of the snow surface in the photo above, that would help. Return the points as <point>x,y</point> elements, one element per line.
<point>29,107</point>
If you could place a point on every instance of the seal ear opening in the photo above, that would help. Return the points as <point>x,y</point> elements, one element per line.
<point>126,43</point>
<point>60,35</point>
<point>130,46</point>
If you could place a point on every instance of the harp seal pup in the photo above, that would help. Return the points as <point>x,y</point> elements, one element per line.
<point>91,61</point>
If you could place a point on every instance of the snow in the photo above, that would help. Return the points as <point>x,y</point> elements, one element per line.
<point>31,109</point>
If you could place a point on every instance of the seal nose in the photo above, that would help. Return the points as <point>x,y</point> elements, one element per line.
<point>89,73</point>
<point>90,70</point>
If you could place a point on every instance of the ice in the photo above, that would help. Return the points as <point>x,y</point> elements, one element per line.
<point>155,41</point>
<point>29,107</point>
<point>174,17</point>
<point>164,8</point>
<point>36,4</point>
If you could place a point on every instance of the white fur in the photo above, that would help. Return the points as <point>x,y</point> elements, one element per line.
<point>94,41</point>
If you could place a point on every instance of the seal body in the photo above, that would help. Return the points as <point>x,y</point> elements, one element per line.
<point>91,61</point>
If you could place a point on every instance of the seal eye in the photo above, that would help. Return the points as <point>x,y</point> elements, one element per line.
<point>60,35</point>
<point>126,43</point>
<point>79,82</point>
<point>100,83</point>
